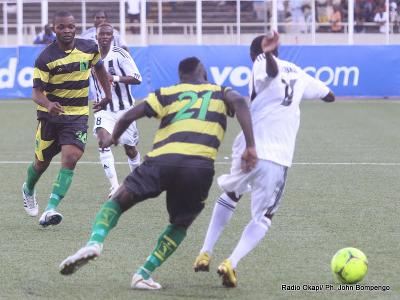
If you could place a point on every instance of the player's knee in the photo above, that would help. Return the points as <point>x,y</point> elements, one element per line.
<point>233,197</point>
<point>40,166</point>
<point>130,151</point>
<point>124,198</point>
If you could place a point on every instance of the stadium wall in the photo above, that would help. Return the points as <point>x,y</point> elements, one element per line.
<point>350,71</point>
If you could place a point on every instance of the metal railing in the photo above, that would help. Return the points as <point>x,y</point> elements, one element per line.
<point>192,29</point>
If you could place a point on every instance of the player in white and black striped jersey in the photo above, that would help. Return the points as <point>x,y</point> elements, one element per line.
<point>122,72</point>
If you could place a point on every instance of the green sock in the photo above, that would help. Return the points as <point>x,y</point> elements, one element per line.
<point>106,219</point>
<point>60,187</point>
<point>167,243</point>
<point>33,178</point>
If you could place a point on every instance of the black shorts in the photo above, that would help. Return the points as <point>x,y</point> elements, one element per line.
<point>51,136</point>
<point>186,187</point>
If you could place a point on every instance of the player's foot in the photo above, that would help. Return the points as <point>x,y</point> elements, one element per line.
<point>227,273</point>
<point>30,204</point>
<point>139,283</point>
<point>50,217</point>
<point>113,189</point>
<point>72,263</point>
<point>202,262</point>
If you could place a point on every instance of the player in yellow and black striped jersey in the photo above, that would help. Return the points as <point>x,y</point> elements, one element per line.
<point>193,122</point>
<point>60,88</point>
<point>64,78</point>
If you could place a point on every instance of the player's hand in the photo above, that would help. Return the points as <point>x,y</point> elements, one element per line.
<point>249,159</point>
<point>270,43</point>
<point>54,109</point>
<point>108,141</point>
<point>101,105</point>
<point>110,77</point>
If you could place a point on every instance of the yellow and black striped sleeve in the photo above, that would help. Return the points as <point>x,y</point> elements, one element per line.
<point>229,112</point>
<point>154,101</point>
<point>96,58</point>
<point>41,74</point>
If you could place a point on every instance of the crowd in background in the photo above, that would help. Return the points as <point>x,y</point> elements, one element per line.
<point>298,14</point>
<point>294,16</point>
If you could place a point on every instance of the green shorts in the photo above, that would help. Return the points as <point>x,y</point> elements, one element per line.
<point>51,136</point>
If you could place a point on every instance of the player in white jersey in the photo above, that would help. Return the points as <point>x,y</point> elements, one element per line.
<point>276,89</point>
<point>122,72</point>
<point>99,17</point>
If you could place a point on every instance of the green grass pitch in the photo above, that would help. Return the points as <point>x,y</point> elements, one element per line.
<point>342,191</point>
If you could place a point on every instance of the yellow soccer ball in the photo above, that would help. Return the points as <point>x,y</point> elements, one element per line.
<point>349,265</point>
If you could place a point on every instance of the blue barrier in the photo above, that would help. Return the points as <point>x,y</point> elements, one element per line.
<point>350,71</point>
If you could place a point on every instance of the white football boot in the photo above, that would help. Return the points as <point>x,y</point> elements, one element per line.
<point>139,283</point>
<point>30,204</point>
<point>86,254</point>
<point>50,217</point>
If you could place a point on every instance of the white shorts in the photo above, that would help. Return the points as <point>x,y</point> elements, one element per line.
<point>107,120</point>
<point>266,183</point>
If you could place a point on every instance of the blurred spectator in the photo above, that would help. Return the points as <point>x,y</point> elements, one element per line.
<point>396,19</point>
<point>365,8</point>
<point>259,10</point>
<point>133,12</point>
<point>45,37</point>
<point>307,13</point>
<point>281,7</point>
<point>381,18</point>
<point>324,10</point>
<point>298,20</point>
<point>336,19</point>
<point>227,5</point>
<point>173,5</point>
<point>99,17</point>
<point>359,19</point>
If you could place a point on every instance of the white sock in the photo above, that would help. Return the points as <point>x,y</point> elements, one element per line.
<point>223,211</point>
<point>134,162</point>
<point>252,235</point>
<point>107,160</point>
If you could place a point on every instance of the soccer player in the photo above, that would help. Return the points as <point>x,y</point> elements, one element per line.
<point>60,88</point>
<point>99,17</point>
<point>276,89</point>
<point>193,122</point>
<point>122,72</point>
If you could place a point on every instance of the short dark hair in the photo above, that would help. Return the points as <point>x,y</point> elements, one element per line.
<point>255,47</point>
<point>105,24</point>
<point>188,65</point>
<point>61,14</point>
<point>99,11</point>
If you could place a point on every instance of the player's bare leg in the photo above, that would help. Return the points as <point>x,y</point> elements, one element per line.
<point>133,156</point>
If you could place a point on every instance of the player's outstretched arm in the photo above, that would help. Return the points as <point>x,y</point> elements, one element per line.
<point>330,97</point>
<point>237,103</point>
<point>54,108</point>
<point>129,80</point>
<point>102,76</point>
<point>269,44</point>
<point>135,113</point>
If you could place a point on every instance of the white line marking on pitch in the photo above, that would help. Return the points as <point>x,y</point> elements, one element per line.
<point>227,163</point>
